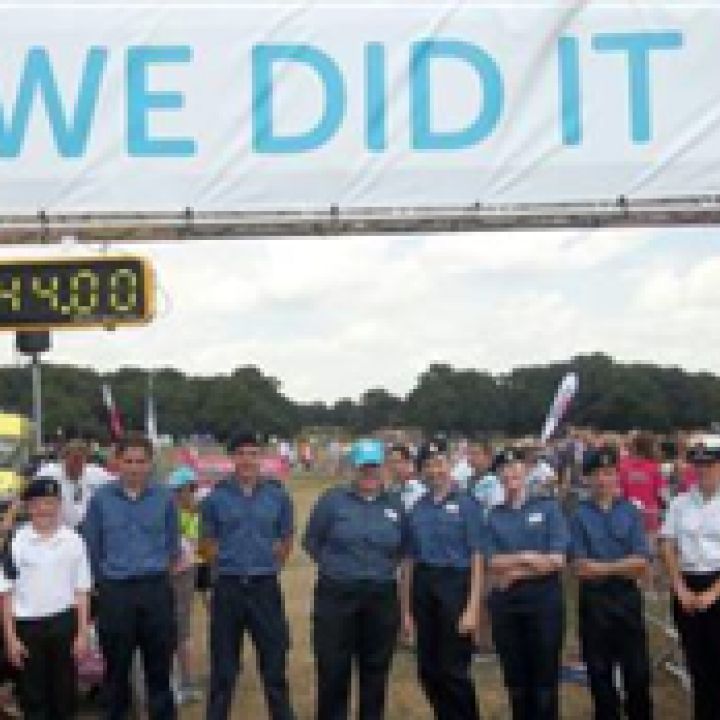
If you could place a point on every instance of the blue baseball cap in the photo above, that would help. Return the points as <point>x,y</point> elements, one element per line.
<point>182,477</point>
<point>367,452</point>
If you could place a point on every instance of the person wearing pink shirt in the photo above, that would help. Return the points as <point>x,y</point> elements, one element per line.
<point>641,481</point>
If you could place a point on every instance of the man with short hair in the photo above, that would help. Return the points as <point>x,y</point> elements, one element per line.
<point>79,479</point>
<point>247,527</point>
<point>133,537</point>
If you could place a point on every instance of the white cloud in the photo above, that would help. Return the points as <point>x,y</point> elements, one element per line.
<point>334,316</point>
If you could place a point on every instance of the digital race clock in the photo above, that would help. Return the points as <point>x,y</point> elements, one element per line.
<point>75,293</point>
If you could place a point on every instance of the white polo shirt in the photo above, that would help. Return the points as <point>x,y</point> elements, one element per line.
<point>76,495</point>
<point>694,524</point>
<point>50,570</point>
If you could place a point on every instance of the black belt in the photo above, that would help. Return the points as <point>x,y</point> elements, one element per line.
<point>246,579</point>
<point>62,615</point>
<point>441,569</point>
<point>137,579</point>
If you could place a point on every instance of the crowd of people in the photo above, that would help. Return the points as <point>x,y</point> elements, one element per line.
<point>453,553</point>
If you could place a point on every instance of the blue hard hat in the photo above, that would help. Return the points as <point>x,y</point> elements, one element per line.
<point>367,452</point>
<point>182,477</point>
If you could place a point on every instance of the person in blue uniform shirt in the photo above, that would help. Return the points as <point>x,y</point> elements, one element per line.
<point>247,528</point>
<point>690,549</point>
<point>133,537</point>
<point>527,542</point>
<point>610,557</point>
<point>441,588</point>
<point>356,536</point>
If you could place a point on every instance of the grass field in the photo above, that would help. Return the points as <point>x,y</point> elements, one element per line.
<point>405,699</point>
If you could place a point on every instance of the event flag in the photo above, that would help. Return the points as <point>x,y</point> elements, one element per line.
<point>114,419</point>
<point>564,396</point>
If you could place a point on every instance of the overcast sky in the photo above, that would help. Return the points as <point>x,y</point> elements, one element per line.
<point>333,317</point>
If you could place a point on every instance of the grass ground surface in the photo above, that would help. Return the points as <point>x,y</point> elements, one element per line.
<point>405,700</point>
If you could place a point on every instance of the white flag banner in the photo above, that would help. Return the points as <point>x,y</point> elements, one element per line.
<point>151,428</point>
<point>113,414</point>
<point>279,106</point>
<point>563,397</point>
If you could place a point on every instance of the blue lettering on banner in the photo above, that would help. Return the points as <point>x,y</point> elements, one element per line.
<point>570,91</point>
<point>70,119</point>
<point>38,78</point>
<point>141,101</point>
<point>265,140</point>
<point>423,135</point>
<point>637,47</point>
<point>375,90</point>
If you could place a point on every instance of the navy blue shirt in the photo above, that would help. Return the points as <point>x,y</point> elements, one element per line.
<point>537,526</point>
<point>354,538</point>
<point>131,537</point>
<point>447,533</point>
<point>608,535</point>
<point>246,526</point>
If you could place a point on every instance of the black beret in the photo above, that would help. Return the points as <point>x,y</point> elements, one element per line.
<point>596,458</point>
<point>507,456</point>
<point>43,486</point>
<point>705,452</point>
<point>244,438</point>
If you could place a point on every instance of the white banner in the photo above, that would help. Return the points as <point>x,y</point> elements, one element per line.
<point>234,106</point>
<point>561,404</point>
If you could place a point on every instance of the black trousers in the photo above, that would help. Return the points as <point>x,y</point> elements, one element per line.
<point>439,596</point>
<point>528,626</point>
<point>700,638</point>
<point>354,622</point>
<point>254,604</point>
<point>47,684</point>
<point>137,614</point>
<point>612,634</point>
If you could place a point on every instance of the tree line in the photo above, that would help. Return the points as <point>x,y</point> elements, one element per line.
<point>467,402</point>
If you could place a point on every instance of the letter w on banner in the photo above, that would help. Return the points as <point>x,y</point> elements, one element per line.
<point>563,397</point>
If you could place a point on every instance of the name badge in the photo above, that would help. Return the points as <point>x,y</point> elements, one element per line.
<point>452,508</point>
<point>392,514</point>
<point>535,518</point>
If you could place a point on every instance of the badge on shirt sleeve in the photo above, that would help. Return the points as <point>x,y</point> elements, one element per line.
<point>452,508</point>
<point>392,514</point>
<point>535,518</point>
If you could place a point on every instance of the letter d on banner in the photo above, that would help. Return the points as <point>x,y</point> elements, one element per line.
<point>423,136</point>
<point>265,139</point>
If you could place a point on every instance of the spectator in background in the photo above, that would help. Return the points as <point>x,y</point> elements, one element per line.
<point>483,484</point>
<point>642,483</point>
<point>461,466</point>
<point>78,478</point>
<point>485,488</point>
<point>183,483</point>
<point>684,472</point>
<point>401,476</point>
